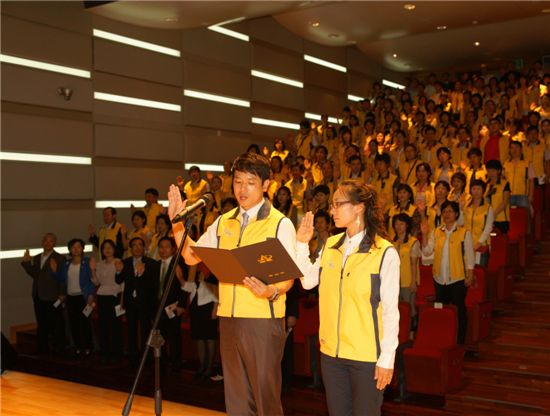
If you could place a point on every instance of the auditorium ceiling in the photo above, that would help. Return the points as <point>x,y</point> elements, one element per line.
<point>401,36</point>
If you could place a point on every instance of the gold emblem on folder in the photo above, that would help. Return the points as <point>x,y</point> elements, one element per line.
<point>265,258</point>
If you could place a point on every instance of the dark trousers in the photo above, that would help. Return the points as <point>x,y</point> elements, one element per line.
<point>138,316</point>
<point>454,294</point>
<point>171,332</point>
<point>502,226</point>
<point>287,365</point>
<point>350,387</point>
<point>81,327</point>
<point>110,327</point>
<point>49,324</point>
<point>251,351</point>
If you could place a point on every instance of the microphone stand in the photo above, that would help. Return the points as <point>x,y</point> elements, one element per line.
<point>155,340</point>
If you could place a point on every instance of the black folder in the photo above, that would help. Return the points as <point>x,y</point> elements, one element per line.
<point>268,261</point>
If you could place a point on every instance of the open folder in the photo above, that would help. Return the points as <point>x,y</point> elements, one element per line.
<point>267,261</point>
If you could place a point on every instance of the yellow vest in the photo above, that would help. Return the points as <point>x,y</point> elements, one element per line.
<point>495,195</point>
<point>109,233</point>
<point>384,189</point>
<point>405,268</point>
<point>193,191</point>
<point>429,194</point>
<point>152,213</point>
<point>237,301</point>
<point>407,171</point>
<point>518,175</point>
<point>349,300</point>
<point>475,220</point>
<point>297,190</point>
<point>456,252</point>
<point>460,153</point>
<point>535,155</point>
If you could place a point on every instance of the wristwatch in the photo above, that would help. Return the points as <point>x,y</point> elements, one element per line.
<point>275,295</point>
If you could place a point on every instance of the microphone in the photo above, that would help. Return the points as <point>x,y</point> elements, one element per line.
<point>190,210</point>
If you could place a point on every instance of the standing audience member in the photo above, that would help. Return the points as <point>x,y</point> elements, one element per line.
<point>47,295</point>
<point>108,297</point>
<point>478,219</point>
<point>77,274</point>
<point>152,208</point>
<point>196,186</point>
<point>498,195</point>
<point>139,221</point>
<point>111,230</point>
<point>163,229</point>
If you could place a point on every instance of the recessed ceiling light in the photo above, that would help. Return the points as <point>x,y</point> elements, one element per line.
<point>395,55</point>
<point>333,35</point>
<point>315,24</point>
<point>409,6</point>
<point>442,27</point>
<point>477,43</point>
<point>475,22</point>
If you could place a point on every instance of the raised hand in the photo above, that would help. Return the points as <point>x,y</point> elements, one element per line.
<point>305,232</point>
<point>27,256</point>
<point>175,204</point>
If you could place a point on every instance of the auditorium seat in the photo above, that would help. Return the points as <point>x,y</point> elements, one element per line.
<point>538,207</point>
<point>307,325</point>
<point>517,236</point>
<point>479,310</point>
<point>434,364</point>
<point>425,292</point>
<point>404,342</point>
<point>498,274</point>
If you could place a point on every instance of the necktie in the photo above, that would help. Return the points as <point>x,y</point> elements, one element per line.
<point>244,223</point>
<point>162,277</point>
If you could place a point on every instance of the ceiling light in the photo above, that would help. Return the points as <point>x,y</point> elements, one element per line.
<point>352,97</point>
<point>324,63</point>
<point>392,84</point>
<point>276,78</point>
<point>205,167</point>
<point>136,43</point>
<point>545,10</point>
<point>118,203</point>
<point>275,123</point>
<point>442,27</point>
<point>42,158</point>
<point>315,24</point>
<point>395,55</point>
<point>475,22</point>
<point>409,6</point>
<point>477,43</point>
<point>136,101</point>
<point>45,66</point>
<point>216,98</point>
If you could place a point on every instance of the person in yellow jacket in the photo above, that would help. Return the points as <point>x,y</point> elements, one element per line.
<point>478,219</point>
<point>520,173</point>
<point>358,277</point>
<point>252,326</point>
<point>498,195</point>
<point>111,230</point>
<point>408,248</point>
<point>453,266</point>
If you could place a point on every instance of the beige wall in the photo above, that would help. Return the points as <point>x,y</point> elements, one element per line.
<point>136,147</point>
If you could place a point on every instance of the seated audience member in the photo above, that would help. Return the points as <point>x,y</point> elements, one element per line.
<point>47,295</point>
<point>423,188</point>
<point>453,266</point>
<point>108,297</point>
<point>170,320</point>
<point>478,219</point>
<point>520,174</point>
<point>163,229</point>
<point>384,182</point>
<point>139,221</point>
<point>408,248</point>
<point>407,166</point>
<point>152,208</point>
<point>283,202</point>
<point>498,195</point>
<point>111,230</point>
<point>76,274</point>
<point>445,169</point>
<point>203,296</point>
<point>141,284</point>
<point>196,186</point>
<point>405,204</point>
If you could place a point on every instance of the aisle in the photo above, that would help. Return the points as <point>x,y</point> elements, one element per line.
<point>27,394</point>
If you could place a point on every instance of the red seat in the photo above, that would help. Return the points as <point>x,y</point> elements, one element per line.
<point>404,340</point>
<point>425,292</point>
<point>517,235</point>
<point>306,326</point>
<point>479,310</point>
<point>498,275</point>
<point>538,207</point>
<point>434,364</point>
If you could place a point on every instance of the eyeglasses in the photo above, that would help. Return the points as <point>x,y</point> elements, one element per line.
<point>338,204</point>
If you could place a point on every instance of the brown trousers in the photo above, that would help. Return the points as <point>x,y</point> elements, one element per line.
<point>251,351</point>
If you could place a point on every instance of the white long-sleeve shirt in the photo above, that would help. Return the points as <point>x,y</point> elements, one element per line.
<point>389,291</point>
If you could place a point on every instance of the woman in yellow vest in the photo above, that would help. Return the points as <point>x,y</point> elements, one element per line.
<point>498,195</point>
<point>478,219</point>
<point>405,204</point>
<point>407,166</point>
<point>163,229</point>
<point>453,266</point>
<point>459,193</point>
<point>408,248</point>
<point>196,186</point>
<point>423,188</point>
<point>139,221</point>
<point>358,278</point>
<point>519,173</point>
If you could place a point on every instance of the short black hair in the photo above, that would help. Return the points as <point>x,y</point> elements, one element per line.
<point>113,210</point>
<point>252,163</point>
<point>152,191</point>
<point>474,151</point>
<point>321,189</point>
<point>384,157</point>
<point>131,243</point>
<point>403,217</point>
<point>107,243</point>
<point>443,149</point>
<point>169,239</point>
<point>322,214</point>
<point>230,200</point>
<point>139,213</point>
<point>305,124</point>
<point>494,164</point>
<point>453,204</point>
<point>73,241</point>
<point>478,182</point>
<point>444,184</point>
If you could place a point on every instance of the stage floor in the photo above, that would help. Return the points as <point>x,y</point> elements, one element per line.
<point>27,394</point>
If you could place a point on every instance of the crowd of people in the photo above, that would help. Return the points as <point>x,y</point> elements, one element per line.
<point>445,158</point>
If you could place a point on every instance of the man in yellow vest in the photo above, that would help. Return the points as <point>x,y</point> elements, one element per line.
<point>252,327</point>
<point>111,230</point>
<point>453,266</point>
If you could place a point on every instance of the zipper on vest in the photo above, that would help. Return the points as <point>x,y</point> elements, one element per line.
<point>339,312</point>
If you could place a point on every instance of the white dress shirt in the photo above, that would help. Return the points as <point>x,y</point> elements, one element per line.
<point>389,291</point>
